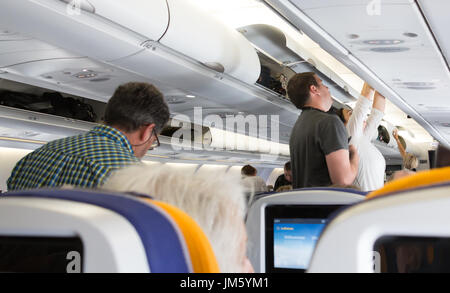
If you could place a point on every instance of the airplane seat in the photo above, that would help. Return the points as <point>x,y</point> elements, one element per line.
<point>103,231</point>
<point>400,232</point>
<point>273,216</point>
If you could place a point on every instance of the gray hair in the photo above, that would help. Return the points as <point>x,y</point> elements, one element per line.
<point>136,104</point>
<point>216,203</point>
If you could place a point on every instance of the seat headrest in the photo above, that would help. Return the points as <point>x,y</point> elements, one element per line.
<point>202,254</point>
<point>164,245</point>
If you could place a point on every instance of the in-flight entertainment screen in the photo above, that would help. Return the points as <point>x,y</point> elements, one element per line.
<point>294,241</point>
<point>291,234</point>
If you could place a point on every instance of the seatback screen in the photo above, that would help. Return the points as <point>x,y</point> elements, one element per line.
<point>291,234</point>
<point>411,254</point>
<point>294,241</point>
<point>41,254</point>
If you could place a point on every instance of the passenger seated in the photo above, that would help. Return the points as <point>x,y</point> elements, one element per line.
<point>284,179</point>
<point>251,182</point>
<point>216,203</point>
<point>401,174</point>
<point>284,188</point>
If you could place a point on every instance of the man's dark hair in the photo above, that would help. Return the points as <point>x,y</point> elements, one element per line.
<point>299,86</point>
<point>136,104</point>
<point>248,170</point>
<point>287,166</point>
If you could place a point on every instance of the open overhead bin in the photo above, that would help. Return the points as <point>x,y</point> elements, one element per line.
<point>203,38</point>
<point>272,42</point>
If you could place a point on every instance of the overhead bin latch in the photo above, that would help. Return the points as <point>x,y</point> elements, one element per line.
<point>149,45</point>
<point>74,7</point>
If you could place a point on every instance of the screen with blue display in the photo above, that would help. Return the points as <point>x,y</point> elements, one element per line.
<point>294,241</point>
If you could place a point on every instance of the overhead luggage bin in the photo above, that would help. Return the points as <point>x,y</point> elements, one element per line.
<point>147,18</point>
<point>203,38</point>
<point>114,30</point>
<point>88,34</point>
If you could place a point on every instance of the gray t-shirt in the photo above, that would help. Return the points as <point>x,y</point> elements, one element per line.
<point>315,135</point>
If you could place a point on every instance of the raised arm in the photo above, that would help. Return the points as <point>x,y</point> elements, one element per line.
<point>355,124</point>
<point>367,91</point>
<point>343,166</point>
<point>379,102</point>
<point>399,144</point>
<point>378,107</point>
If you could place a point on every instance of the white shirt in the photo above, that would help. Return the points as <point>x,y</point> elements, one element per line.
<point>372,164</point>
<point>254,184</point>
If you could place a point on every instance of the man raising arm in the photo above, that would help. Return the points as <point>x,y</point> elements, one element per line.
<point>320,155</point>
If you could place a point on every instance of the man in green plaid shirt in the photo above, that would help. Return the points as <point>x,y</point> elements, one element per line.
<point>133,117</point>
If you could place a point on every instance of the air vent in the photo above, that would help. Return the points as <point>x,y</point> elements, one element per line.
<point>389,49</point>
<point>101,79</point>
<point>353,36</point>
<point>411,35</point>
<point>438,108</point>
<point>383,42</point>
<point>416,85</point>
<point>85,74</point>
<point>176,100</point>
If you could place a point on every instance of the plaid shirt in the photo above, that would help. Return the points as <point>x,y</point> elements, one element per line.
<point>85,161</point>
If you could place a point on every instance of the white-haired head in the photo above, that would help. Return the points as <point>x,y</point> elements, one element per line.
<point>214,201</point>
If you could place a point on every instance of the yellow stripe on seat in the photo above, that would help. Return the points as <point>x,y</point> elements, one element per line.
<point>200,250</point>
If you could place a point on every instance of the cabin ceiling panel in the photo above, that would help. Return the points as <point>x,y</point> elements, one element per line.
<point>395,43</point>
<point>314,4</point>
<point>437,15</point>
